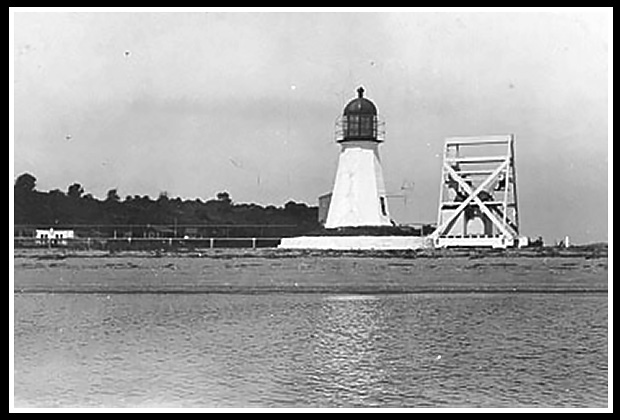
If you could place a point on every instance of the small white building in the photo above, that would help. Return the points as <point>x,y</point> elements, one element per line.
<point>324,202</point>
<point>54,236</point>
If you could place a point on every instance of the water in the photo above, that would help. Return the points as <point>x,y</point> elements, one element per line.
<point>84,348</point>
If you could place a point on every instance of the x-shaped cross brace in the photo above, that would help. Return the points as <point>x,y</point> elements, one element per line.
<point>473,196</point>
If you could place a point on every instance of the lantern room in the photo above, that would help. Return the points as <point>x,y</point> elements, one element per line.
<point>359,121</point>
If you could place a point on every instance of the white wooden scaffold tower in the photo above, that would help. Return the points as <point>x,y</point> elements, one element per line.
<point>478,194</point>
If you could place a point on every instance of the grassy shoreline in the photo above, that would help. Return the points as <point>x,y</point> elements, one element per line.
<point>580,251</point>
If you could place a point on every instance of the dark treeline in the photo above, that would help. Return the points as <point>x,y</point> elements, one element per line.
<point>76,207</point>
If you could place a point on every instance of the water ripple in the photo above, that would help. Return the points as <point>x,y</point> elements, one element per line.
<point>311,350</point>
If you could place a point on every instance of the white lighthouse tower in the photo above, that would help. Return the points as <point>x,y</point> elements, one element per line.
<point>358,197</point>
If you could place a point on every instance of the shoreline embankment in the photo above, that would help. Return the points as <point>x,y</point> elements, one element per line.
<point>261,271</point>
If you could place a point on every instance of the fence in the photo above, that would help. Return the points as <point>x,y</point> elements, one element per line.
<point>146,243</point>
<point>157,236</point>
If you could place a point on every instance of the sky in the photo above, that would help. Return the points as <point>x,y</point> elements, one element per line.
<point>197,103</point>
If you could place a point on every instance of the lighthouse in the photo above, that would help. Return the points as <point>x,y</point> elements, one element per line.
<point>477,205</point>
<point>358,197</point>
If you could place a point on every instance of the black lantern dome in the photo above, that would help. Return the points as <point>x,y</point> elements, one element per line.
<point>360,105</point>
<point>359,120</point>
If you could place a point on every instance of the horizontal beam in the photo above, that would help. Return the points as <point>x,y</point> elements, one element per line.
<point>478,159</point>
<point>485,241</point>
<point>475,172</point>
<point>455,204</point>
<point>467,141</point>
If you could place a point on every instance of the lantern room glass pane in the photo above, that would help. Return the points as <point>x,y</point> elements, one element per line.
<point>362,127</point>
<point>353,126</point>
<point>366,126</point>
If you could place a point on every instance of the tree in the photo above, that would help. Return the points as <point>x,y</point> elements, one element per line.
<point>75,206</point>
<point>56,194</point>
<point>112,195</point>
<point>223,196</point>
<point>25,183</point>
<point>75,190</point>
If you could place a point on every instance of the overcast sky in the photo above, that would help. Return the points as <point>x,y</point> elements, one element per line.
<point>196,103</point>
